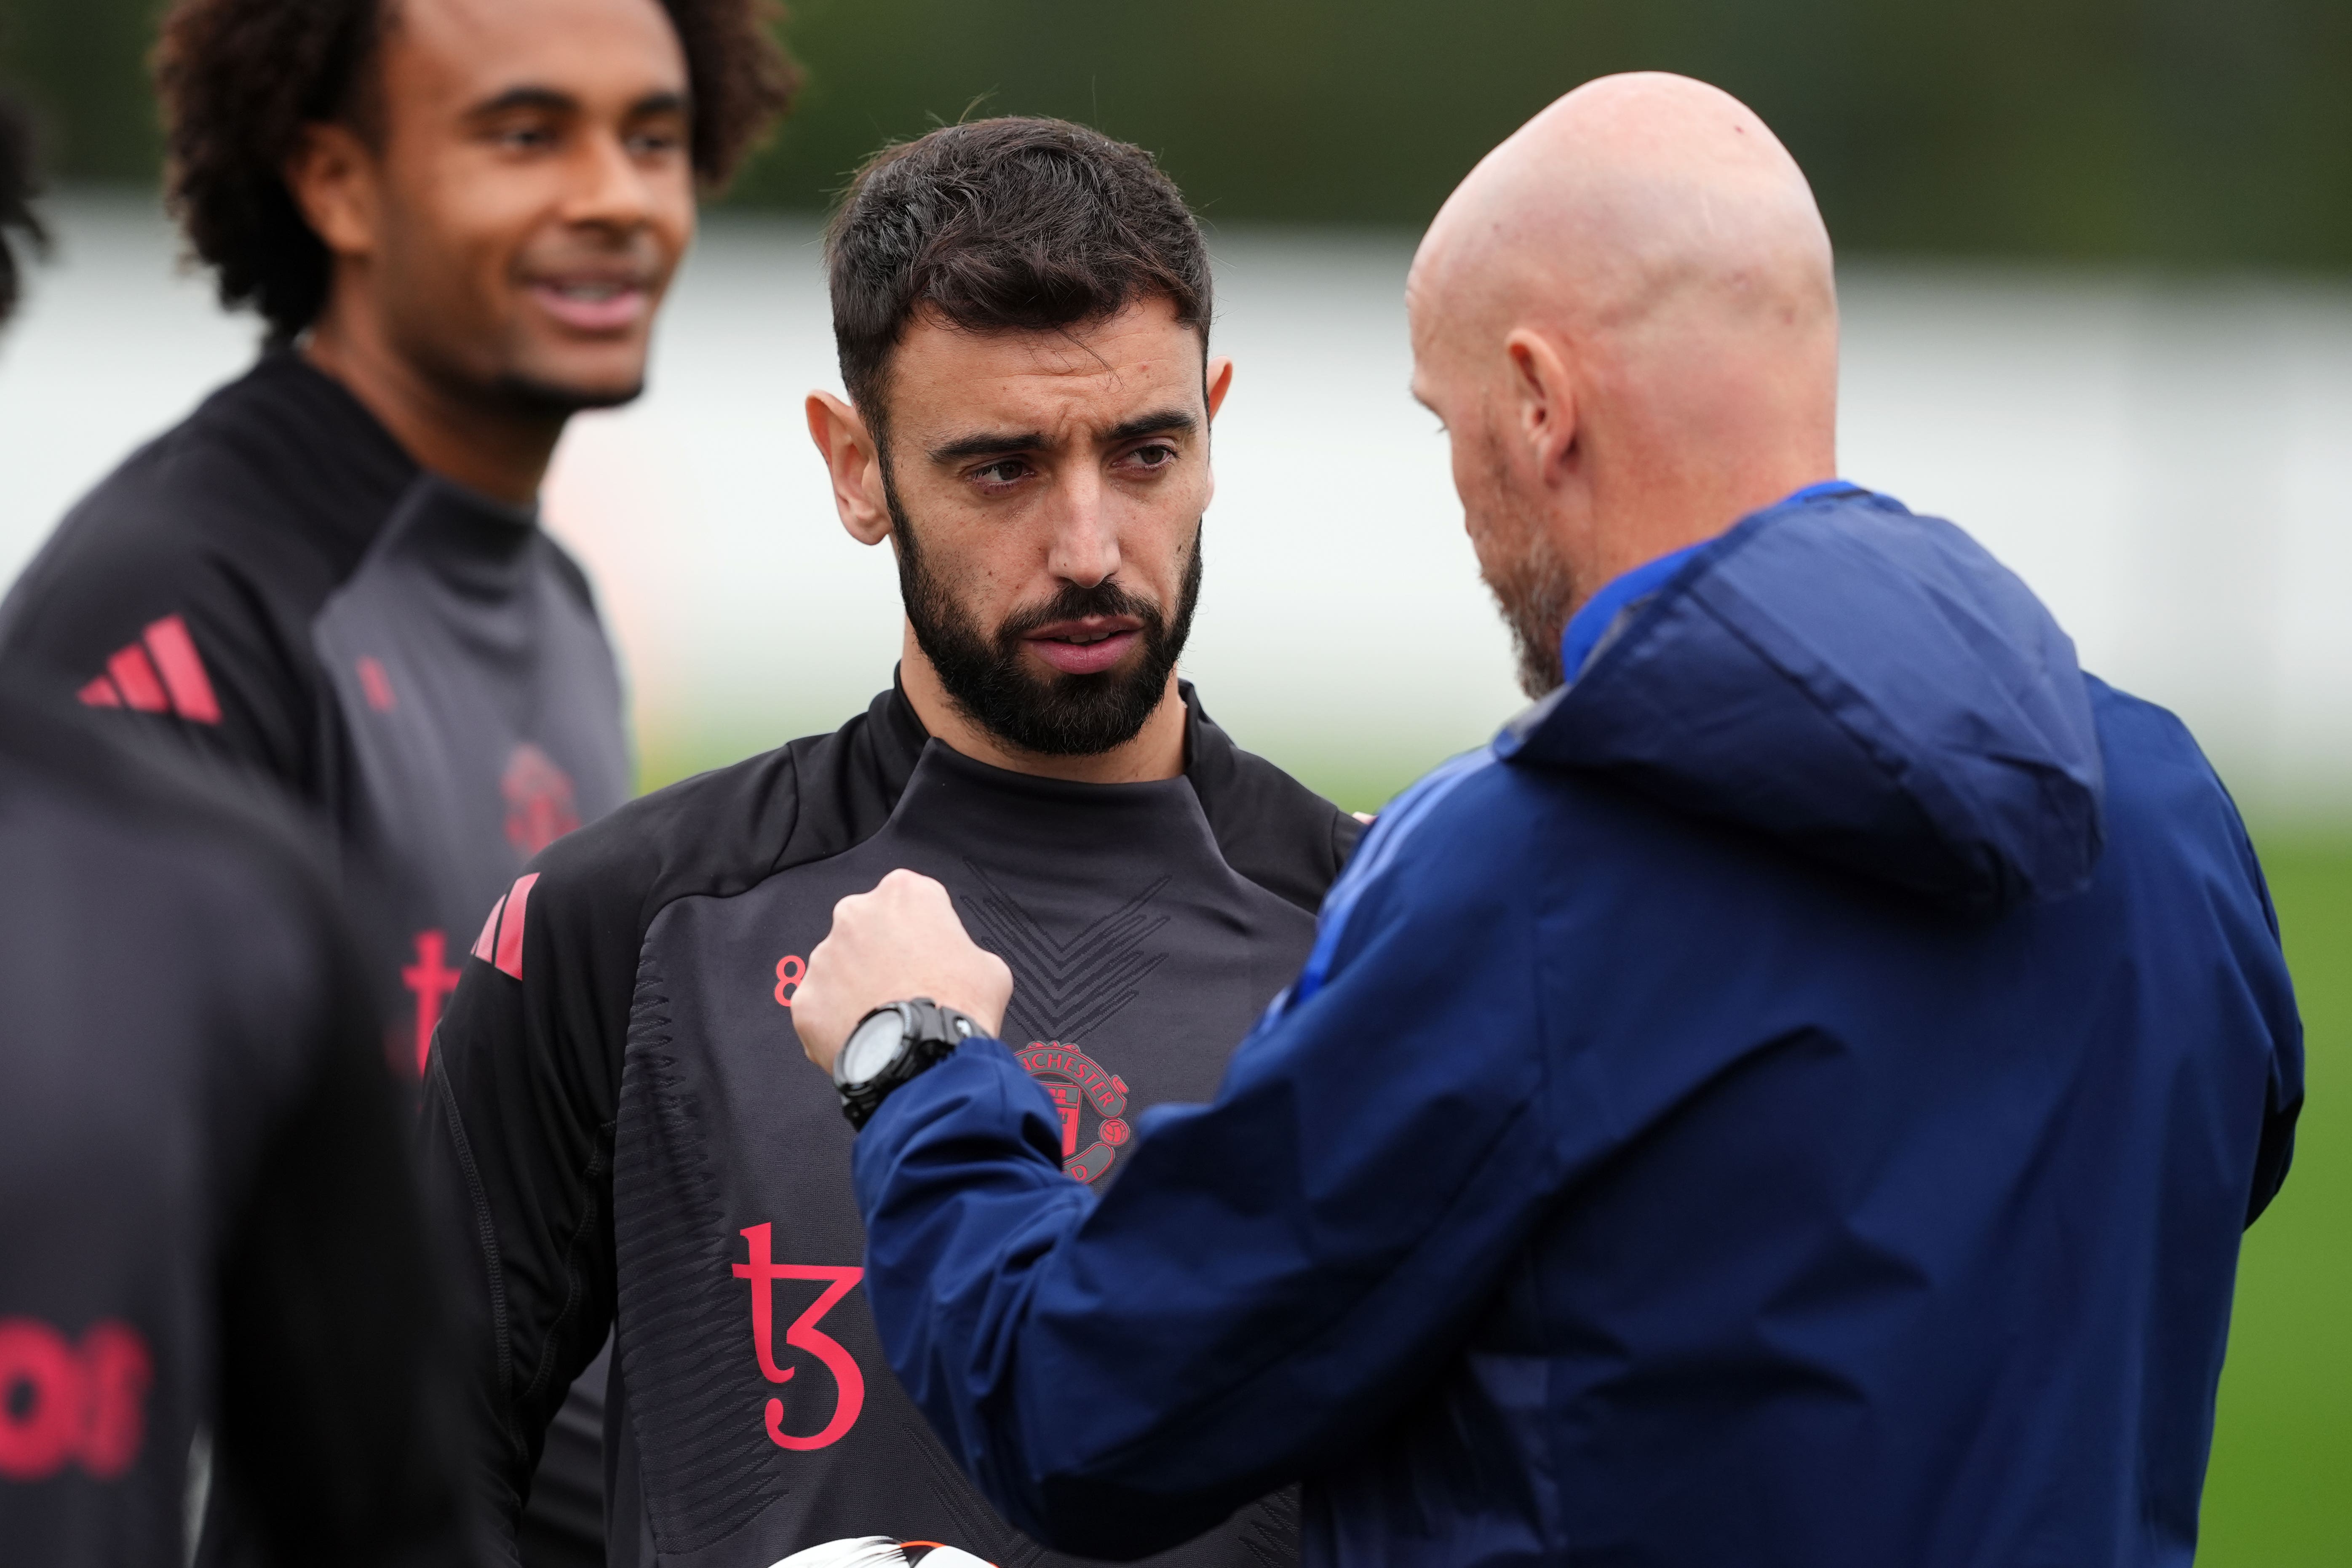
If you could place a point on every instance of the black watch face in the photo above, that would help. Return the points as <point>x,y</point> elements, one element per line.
<point>871,1046</point>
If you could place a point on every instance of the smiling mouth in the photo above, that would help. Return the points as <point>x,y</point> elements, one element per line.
<point>593,304</point>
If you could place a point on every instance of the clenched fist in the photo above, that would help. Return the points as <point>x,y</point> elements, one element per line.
<point>900,940</point>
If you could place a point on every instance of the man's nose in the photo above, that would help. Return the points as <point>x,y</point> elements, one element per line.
<point>1084,548</point>
<point>608,187</point>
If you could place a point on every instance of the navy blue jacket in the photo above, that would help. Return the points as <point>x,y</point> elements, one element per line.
<point>1794,1099</point>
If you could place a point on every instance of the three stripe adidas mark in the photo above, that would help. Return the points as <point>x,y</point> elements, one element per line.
<point>160,673</point>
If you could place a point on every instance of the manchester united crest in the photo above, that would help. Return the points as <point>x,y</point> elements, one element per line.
<point>1092,1103</point>
<point>540,809</point>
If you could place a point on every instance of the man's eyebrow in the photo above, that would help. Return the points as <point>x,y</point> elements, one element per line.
<point>989,443</point>
<point>995,444</point>
<point>544,97</point>
<point>554,100</point>
<point>660,103</point>
<point>1161,422</point>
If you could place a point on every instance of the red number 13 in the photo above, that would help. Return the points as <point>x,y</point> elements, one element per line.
<point>803,1335</point>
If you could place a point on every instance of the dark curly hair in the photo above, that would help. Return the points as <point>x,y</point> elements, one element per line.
<point>240,79</point>
<point>1006,225</point>
<point>17,187</point>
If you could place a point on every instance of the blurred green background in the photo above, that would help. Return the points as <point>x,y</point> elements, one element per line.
<point>2277,1494</point>
<point>2199,132</point>
<point>2157,134</point>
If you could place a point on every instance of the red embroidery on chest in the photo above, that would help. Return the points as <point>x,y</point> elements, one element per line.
<point>1077,1082</point>
<point>375,685</point>
<point>431,979</point>
<point>540,809</point>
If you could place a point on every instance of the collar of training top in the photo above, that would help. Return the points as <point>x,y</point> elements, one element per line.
<point>900,736</point>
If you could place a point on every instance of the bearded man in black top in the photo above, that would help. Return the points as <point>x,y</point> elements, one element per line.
<point>457,218</point>
<point>618,1125</point>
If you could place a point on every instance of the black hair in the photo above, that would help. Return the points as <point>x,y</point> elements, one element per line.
<point>18,185</point>
<point>1004,224</point>
<point>241,79</point>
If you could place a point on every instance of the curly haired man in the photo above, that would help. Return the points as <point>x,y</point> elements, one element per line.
<point>457,219</point>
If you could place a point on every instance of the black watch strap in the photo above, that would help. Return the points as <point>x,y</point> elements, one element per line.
<point>931,1035</point>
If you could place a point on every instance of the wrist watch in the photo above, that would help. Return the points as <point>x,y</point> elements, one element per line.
<point>890,1046</point>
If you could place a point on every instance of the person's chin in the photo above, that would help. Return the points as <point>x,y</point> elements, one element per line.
<point>561,389</point>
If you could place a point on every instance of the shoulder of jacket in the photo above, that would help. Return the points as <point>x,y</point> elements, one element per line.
<point>721,832</point>
<point>190,502</point>
<point>148,785</point>
<point>2161,793</point>
<point>1271,828</point>
<point>716,833</point>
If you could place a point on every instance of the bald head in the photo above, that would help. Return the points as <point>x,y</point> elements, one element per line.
<point>1627,317</point>
<point>1634,200</point>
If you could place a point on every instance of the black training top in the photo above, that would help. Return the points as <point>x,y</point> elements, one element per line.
<point>619,1118</point>
<point>206,1220</point>
<point>279,580</point>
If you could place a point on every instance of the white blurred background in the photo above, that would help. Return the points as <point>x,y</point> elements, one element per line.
<point>2169,466</point>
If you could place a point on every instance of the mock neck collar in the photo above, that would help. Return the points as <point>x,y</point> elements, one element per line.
<point>902,734</point>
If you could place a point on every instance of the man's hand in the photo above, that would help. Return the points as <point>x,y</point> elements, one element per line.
<point>900,940</point>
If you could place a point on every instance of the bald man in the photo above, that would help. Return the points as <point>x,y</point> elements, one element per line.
<point>1793,1098</point>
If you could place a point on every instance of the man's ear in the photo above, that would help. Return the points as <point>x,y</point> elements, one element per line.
<point>1545,398</point>
<point>1219,381</point>
<point>332,178</point>
<point>854,460</point>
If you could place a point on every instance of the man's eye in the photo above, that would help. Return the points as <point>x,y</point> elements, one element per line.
<point>655,144</point>
<point>1003,472</point>
<point>1155,456</point>
<point>526,138</point>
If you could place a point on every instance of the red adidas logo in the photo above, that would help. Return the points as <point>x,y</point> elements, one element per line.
<point>501,943</point>
<point>160,673</point>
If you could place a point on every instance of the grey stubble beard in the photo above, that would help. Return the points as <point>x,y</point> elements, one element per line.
<point>1532,584</point>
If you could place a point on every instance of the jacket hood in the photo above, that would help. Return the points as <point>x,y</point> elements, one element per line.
<point>1866,685</point>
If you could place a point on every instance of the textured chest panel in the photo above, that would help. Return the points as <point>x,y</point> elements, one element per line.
<point>764,1415</point>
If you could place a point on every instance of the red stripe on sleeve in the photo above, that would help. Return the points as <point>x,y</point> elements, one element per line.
<point>100,693</point>
<point>510,958</point>
<point>483,948</point>
<point>135,678</point>
<point>183,672</point>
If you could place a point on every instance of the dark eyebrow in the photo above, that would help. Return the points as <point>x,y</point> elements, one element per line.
<point>555,101</point>
<point>993,444</point>
<point>990,444</point>
<point>1161,422</point>
<point>541,98</point>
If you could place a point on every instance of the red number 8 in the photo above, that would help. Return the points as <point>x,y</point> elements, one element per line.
<point>789,971</point>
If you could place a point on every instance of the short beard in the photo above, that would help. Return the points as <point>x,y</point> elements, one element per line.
<point>545,399</point>
<point>1064,716</point>
<point>1532,586</point>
